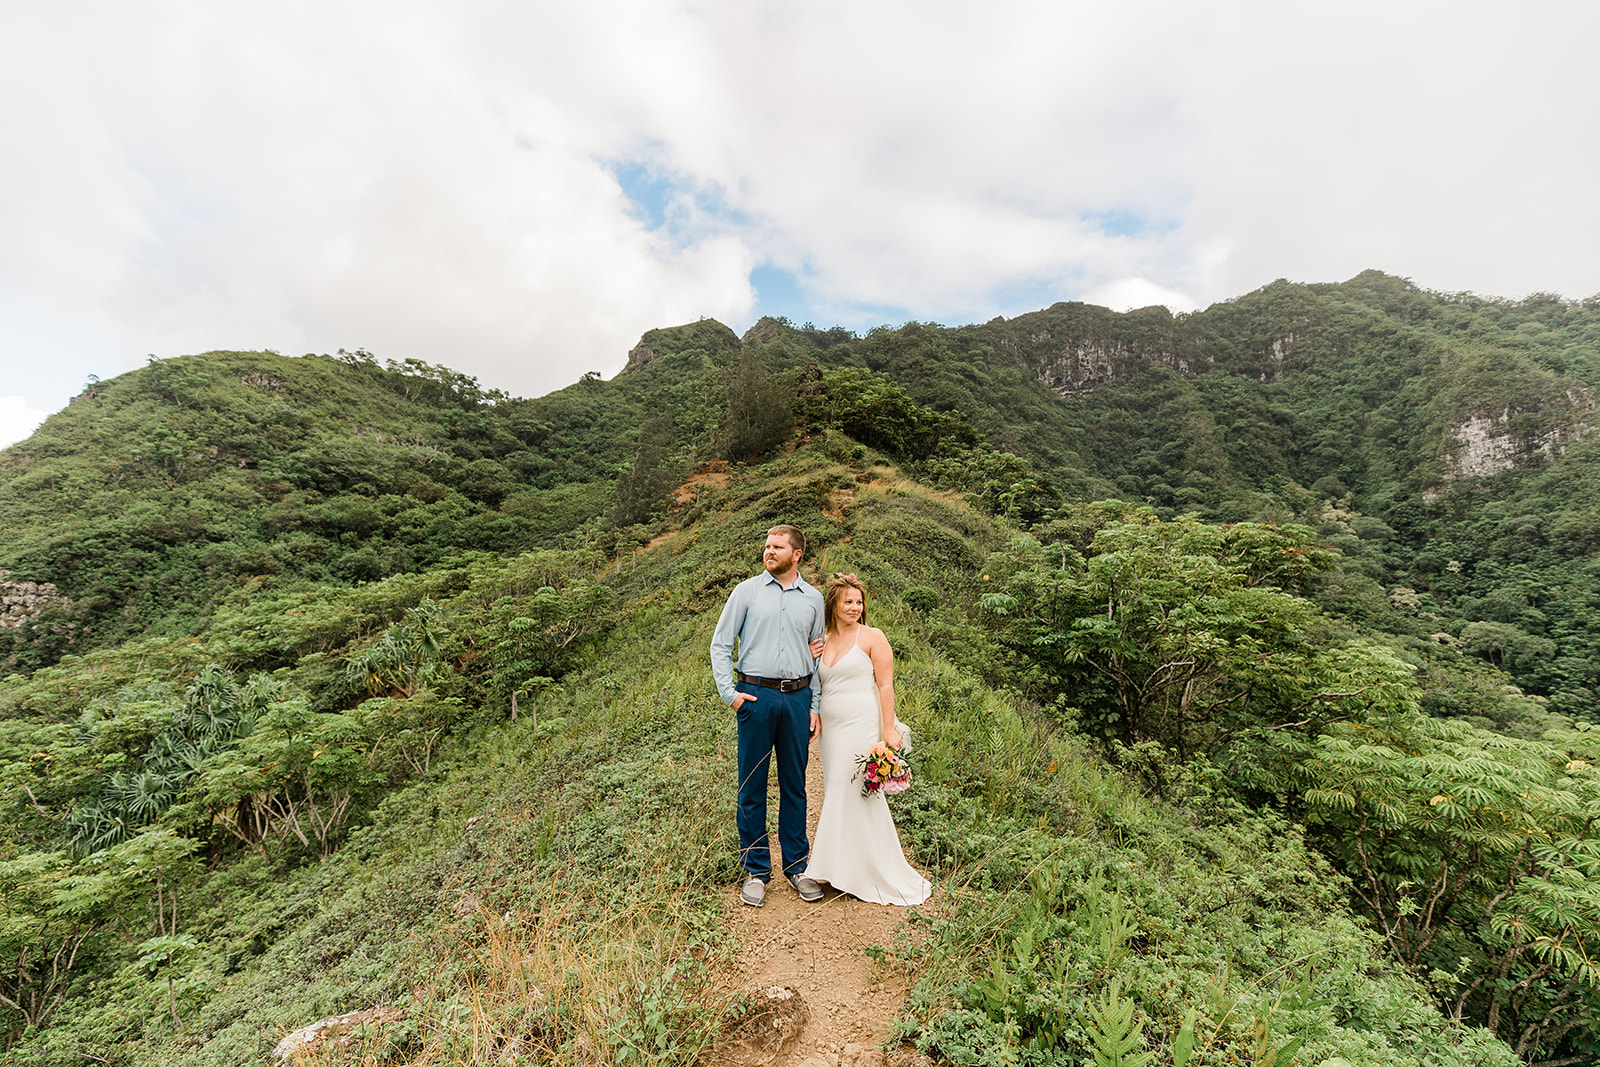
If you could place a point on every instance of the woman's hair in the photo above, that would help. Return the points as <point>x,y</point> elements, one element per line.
<point>830,600</point>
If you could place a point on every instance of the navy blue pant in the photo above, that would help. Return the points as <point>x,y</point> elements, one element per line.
<point>779,725</point>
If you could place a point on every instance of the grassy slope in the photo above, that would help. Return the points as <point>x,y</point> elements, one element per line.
<point>559,885</point>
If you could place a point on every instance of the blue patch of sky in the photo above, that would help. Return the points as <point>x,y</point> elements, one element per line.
<point>203,209</point>
<point>659,199</point>
<point>780,294</point>
<point>863,318</point>
<point>668,203</point>
<point>1014,298</point>
<point>649,190</point>
<point>1032,294</point>
<point>1129,223</point>
<point>181,204</point>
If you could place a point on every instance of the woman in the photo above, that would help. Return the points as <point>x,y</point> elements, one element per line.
<point>856,848</point>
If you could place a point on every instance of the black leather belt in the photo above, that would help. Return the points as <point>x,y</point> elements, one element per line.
<point>782,685</point>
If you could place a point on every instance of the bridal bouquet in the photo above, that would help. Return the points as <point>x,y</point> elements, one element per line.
<point>883,768</point>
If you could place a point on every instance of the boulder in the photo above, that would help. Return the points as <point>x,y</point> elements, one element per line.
<point>336,1031</point>
<point>777,1015</point>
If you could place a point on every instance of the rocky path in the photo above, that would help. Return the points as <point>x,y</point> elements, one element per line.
<point>818,951</point>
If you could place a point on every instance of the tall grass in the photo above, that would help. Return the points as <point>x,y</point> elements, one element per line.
<point>556,981</point>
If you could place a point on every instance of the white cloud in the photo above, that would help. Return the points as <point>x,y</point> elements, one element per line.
<point>438,183</point>
<point>1126,294</point>
<point>18,420</point>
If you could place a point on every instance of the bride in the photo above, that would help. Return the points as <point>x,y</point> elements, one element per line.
<point>856,848</point>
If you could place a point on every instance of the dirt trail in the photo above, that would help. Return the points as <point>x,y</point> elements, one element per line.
<point>817,950</point>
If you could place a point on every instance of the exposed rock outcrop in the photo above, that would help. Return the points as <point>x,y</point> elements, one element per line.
<point>21,602</point>
<point>335,1031</point>
<point>1482,445</point>
<point>1278,354</point>
<point>1076,367</point>
<point>640,354</point>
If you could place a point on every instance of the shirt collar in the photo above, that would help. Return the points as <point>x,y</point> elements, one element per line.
<point>799,580</point>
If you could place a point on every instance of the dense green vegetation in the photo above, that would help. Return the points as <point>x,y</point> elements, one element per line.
<point>1342,406</point>
<point>365,692</point>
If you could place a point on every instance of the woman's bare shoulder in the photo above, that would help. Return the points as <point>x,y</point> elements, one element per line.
<point>875,636</point>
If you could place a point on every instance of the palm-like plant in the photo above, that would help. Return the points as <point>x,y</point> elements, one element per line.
<point>213,712</point>
<point>406,657</point>
<point>98,826</point>
<point>211,705</point>
<point>143,795</point>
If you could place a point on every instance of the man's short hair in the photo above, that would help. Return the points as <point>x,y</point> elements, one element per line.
<point>796,538</point>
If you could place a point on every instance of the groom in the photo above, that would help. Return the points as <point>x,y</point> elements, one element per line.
<point>774,617</point>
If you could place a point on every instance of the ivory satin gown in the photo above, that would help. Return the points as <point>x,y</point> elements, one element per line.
<point>856,848</point>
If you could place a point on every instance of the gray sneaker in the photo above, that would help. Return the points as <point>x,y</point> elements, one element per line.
<point>809,890</point>
<point>754,891</point>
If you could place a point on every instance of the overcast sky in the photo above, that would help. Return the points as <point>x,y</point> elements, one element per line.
<point>519,190</point>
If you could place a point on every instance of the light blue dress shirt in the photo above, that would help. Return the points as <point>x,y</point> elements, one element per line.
<point>774,625</point>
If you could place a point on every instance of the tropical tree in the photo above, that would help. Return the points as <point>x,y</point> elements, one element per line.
<point>1478,856</point>
<point>214,711</point>
<point>299,774</point>
<point>533,640</point>
<point>50,908</point>
<point>1182,632</point>
<point>877,411</point>
<point>643,487</point>
<point>760,408</point>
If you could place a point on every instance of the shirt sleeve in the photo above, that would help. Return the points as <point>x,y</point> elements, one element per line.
<point>728,627</point>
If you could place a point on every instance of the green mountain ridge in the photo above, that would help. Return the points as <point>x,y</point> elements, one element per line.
<point>364,687</point>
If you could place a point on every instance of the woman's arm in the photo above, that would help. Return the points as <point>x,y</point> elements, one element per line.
<point>882,657</point>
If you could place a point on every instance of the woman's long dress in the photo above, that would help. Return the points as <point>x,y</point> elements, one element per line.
<point>856,849</point>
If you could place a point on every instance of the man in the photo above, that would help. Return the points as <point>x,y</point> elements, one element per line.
<point>774,617</point>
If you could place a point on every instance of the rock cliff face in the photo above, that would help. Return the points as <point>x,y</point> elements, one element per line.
<point>1075,350</point>
<point>21,602</point>
<point>1488,444</point>
<point>1075,366</point>
<point>640,354</point>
